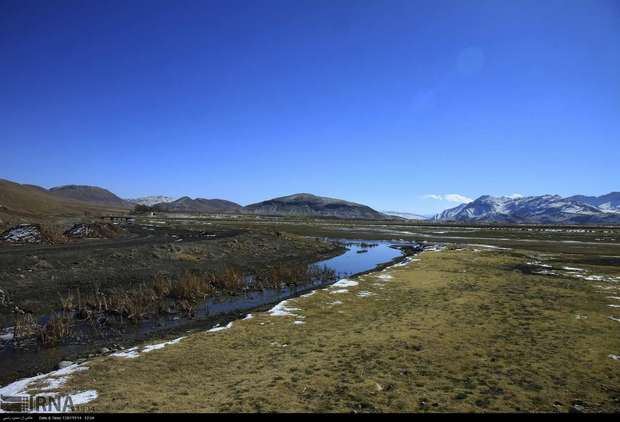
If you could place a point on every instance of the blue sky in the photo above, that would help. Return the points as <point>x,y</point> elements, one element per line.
<point>395,104</point>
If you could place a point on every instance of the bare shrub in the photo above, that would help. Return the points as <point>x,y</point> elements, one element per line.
<point>161,285</point>
<point>52,233</point>
<point>189,287</point>
<point>231,281</point>
<point>56,329</point>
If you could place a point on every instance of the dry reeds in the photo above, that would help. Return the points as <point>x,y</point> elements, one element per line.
<point>56,329</point>
<point>191,287</point>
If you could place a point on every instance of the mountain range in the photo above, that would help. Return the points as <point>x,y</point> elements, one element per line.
<point>609,202</point>
<point>24,201</point>
<point>545,209</point>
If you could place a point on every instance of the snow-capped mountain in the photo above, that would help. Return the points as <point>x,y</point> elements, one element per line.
<point>407,215</point>
<point>149,201</point>
<point>546,209</point>
<point>609,202</point>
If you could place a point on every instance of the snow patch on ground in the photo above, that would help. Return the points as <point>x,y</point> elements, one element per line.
<point>489,247</point>
<point>83,397</point>
<point>614,357</point>
<point>248,316</point>
<point>345,282</point>
<point>159,346</point>
<point>595,277</point>
<point>282,310</point>
<point>127,354</point>
<point>54,383</point>
<point>335,302</point>
<point>217,328</point>
<point>23,233</point>
<point>435,248</point>
<point>365,293</point>
<point>340,291</point>
<point>47,382</point>
<point>298,322</point>
<point>538,264</point>
<point>135,352</point>
<point>545,272</point>
<point>404,262</point>
<point>614,319</point>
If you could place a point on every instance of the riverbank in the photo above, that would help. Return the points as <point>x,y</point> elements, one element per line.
<point>145,284</point>
<point>87,340</point>
<point>456,330</point>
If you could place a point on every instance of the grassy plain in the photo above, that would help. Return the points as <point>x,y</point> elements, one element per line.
<point>458,330</point>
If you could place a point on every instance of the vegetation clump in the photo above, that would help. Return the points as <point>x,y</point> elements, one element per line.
<point>164,295</point>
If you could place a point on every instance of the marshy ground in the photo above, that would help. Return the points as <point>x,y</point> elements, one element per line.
<point>463,329</point>
<point>86,294</point>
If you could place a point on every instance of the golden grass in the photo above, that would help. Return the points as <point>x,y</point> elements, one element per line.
<point>457,331</point>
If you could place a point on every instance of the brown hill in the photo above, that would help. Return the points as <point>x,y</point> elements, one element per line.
<point>308,205</point>
<point>198,205</point>
<point>91,194</point>
<point>24,203</point>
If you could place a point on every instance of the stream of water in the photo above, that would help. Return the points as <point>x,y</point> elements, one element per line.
<point>361,256</point>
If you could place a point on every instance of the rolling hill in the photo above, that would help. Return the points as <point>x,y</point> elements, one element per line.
<point>90,194</point>
<point>24,203</point>
<point>308,205</point>
<point>199,205</point>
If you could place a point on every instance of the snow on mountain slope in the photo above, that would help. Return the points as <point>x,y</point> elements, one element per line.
<point>533,209</point>
<point>407,215</point>
<point>149,201</point>
<point>609,202</point>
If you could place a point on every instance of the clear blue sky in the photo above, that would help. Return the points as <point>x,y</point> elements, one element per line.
<point>381,102</point>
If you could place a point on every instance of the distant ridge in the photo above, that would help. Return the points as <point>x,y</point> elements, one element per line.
<point>308,205</point>
<point>90,194</point>
<point>199,205</point>
<point>407,215</point>
<point>609,202</point>
<point>26,202</point>
<point>149,201</point>
<point>545,209</point>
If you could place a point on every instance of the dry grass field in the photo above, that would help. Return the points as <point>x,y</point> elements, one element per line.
<point>457,330</point>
